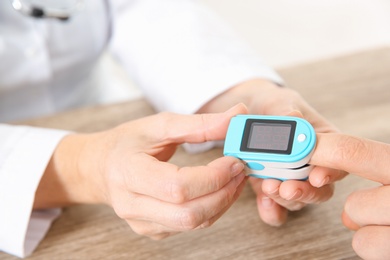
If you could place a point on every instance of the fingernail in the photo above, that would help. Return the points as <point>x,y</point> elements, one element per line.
<point>274,192</point>
<point>235,107</point>
<point>297,194</point>
<point>267,202</point>
<point>237,168</point>
<point>323,182</point>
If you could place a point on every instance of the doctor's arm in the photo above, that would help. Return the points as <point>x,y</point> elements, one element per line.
<point>367,210</point>
<point>126,168</point>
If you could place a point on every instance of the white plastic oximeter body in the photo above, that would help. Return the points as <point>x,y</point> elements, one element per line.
<point>277,147</point>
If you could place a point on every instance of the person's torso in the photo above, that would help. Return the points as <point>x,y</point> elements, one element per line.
<point>43,61</point>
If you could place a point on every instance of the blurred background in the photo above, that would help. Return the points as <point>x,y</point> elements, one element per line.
<point>289,32</point>
<point>285,33</point>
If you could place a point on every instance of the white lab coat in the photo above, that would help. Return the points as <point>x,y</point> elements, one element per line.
<point>178,52</point>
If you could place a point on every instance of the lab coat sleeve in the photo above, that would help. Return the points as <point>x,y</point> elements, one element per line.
<point>181,54</point>
<point>24,154</point>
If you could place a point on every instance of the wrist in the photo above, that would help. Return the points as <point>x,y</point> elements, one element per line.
<point>66,180</point>
<point>91,169</point>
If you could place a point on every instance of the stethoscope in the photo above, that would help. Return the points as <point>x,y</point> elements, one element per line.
<point>60,10</point>
<point>62,13</point>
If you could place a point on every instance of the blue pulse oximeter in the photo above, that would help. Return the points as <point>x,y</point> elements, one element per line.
<point>277,147</point>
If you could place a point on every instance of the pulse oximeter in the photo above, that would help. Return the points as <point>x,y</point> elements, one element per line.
<point>277,147</point>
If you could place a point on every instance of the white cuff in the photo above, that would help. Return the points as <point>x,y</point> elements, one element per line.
<point>38,226</point>
<point>24,154</point>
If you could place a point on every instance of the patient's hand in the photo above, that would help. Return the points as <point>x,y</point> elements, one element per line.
<point>366,211</point>
<point>276,198</point>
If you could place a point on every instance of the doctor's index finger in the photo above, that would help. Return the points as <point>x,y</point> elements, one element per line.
<point>198,128</point>
<point>363,157</point>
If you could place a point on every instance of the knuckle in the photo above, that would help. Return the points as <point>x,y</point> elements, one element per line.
<point>177,193</point>
<point>123,213</point>
<point>140,230</point>
<point>205,125</point>
<point>214,181</point>
<point>350,148</point>
<point>126,210</point>
<point>163,119</point>
<point>188,219</point>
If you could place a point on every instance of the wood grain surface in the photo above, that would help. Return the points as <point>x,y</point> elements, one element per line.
<point>352,91</point>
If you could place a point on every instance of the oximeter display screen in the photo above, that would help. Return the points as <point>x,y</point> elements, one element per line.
<point>271,136</point>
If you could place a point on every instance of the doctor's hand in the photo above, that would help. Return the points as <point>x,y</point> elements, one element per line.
<point>126,167</point>
<point>367,211</point>
<point>276,198</point>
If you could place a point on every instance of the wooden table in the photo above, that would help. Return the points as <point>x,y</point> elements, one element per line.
<point>352,91</point>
